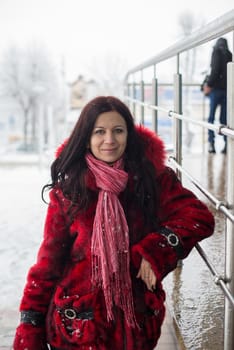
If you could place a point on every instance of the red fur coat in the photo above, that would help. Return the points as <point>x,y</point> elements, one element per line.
<point>59,284</point>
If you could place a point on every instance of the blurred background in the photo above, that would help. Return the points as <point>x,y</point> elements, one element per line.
<point>56,55</point>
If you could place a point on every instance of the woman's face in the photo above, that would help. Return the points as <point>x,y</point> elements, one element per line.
<point>109,137</point>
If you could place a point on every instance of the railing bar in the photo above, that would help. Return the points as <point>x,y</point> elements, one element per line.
<point>204,191</point>
<point>145,104</point>
<point>226,291</point>
<point>226,212</point>
<point>205,258</point>
<point>165,84</point>
<point>211,31</point>
<point>219,205</point>
<point>220,129</point>
<point>218,279</point>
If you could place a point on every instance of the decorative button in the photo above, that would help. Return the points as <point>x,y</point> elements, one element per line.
<point>172,239</point>
<point>70,314</point>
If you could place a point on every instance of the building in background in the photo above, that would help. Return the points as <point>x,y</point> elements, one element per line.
<point>80,92</point>
<point>56,124</point>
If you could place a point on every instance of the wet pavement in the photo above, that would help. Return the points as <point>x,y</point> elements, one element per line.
<point>194,299</point>
<point>170,338</point>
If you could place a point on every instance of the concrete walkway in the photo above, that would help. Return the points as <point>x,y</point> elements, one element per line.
<point>169,339</point>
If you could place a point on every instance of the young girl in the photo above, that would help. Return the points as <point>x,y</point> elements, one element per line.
<point>117,223</point>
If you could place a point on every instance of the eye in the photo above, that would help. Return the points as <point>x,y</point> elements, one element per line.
<point>99,131</point>
<point>119,130</point>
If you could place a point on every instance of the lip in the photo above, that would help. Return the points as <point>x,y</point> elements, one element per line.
<point>109,150</point>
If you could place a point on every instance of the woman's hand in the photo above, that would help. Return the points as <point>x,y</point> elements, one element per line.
<point>147,275</point>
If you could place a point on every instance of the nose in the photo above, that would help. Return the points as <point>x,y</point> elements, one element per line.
<point>109,137</point>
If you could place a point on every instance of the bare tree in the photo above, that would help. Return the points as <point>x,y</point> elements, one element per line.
<point>11,83</point>
<point>27,75</point>
<point>108,72</point>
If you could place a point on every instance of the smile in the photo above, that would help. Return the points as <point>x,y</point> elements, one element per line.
<point>109,150</point>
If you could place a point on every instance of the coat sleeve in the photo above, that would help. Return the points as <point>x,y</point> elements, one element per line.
<point>48,268</point>
<point>183,221</point>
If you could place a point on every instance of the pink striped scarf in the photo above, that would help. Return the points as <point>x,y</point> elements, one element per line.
<point>110,239</point>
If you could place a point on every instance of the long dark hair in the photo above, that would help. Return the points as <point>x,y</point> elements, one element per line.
<point>69,168</point>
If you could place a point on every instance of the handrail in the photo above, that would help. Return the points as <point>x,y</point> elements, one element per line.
<point>219,205</point>
<point>220,129</point>
<point>214,29</point>
<point>219,280</point>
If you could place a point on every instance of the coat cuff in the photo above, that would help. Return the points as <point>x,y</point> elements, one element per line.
<point>161,249</point>
<point>34,318</point>
<point>172,240</point>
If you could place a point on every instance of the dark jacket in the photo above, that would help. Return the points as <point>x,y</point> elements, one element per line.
<point>59,284</point>
<point>219,59</point>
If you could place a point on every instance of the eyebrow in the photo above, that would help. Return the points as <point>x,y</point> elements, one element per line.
<point>116,126</point>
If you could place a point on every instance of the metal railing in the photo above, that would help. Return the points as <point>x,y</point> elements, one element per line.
<point>215,29</point>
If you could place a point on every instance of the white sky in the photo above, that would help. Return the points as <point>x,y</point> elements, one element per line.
<point>81,29</point>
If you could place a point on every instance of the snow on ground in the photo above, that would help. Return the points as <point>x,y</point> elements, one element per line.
<point>22,214</point>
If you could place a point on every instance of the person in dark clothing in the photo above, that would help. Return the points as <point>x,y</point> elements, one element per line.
<point>217,82</point>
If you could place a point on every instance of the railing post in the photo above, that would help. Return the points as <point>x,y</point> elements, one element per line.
<point>128,90</point>
<point>155,103</point>
<point>229,263</point>
<point>134,96</point>
<point>142,88</point>
<point>178,109</point>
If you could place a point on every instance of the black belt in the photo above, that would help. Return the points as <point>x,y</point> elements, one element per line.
<point>172,239</point>
<point>35,318</point>
<point>80,315</point>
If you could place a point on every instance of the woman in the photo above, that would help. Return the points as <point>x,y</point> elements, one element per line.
<point>117,223</point>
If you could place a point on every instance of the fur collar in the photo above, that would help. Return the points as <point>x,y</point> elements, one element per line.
<point>154,147</point>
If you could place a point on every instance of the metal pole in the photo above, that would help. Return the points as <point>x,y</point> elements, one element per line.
<point>142,100</point>
<point>178,109</point>
<point>204,117</point>
<point>155,103</point>
<point>51,128</point>
<point>128,87</point>
<point>40,133</point>
<point>229,263</point>
<point>134,96</point>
